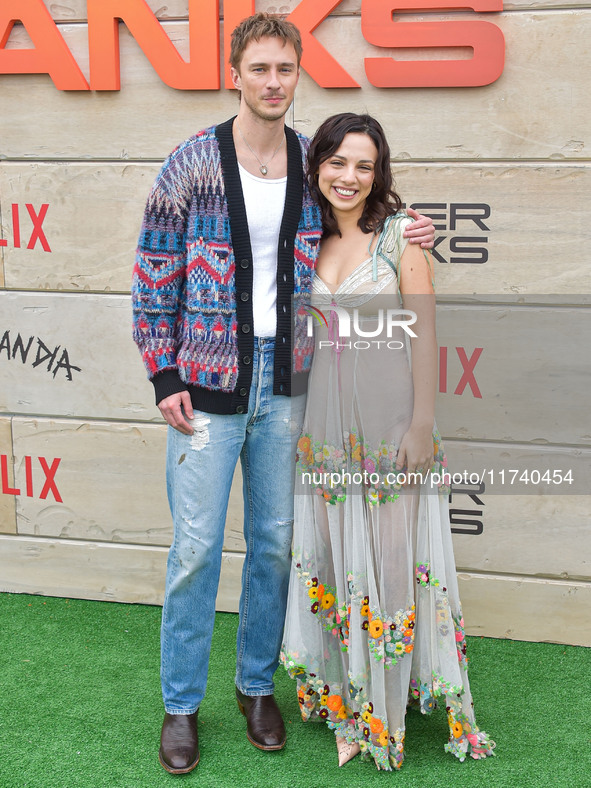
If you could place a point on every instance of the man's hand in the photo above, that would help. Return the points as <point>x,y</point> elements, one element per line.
<point>177,409</point>
<point>421,231</point>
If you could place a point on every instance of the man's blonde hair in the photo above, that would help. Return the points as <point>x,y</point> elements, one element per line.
<point>261,25</point>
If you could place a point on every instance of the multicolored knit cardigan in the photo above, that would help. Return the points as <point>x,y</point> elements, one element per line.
<point>192,284</point>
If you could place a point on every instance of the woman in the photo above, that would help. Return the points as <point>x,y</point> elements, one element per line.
<point>373,618</point>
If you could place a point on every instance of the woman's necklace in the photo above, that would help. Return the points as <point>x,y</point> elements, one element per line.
<point>264,168</point>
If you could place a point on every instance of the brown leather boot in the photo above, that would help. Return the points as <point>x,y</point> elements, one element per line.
<point>264,724</point>
<point>179,743</point>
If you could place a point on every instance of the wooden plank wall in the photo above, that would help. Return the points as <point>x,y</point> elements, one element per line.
<point>505,171</point>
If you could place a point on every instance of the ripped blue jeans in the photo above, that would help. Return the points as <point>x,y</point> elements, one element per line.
<point>200,468</point>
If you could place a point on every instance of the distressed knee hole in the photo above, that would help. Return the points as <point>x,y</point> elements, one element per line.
<point>200,436</point>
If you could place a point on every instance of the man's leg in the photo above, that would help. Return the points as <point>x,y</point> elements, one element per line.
<point>199,476</point>
<point>268,462</point>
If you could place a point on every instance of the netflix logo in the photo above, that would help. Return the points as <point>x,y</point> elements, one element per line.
<point>37,235</point>
<point>45,486</point>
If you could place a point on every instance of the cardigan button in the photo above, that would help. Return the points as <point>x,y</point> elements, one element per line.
<point>246,359</point>
<point>245,328</point>
<point>240,409</point>
<point>244,263</point>
<point>244,296</point>
<point>243,392</point>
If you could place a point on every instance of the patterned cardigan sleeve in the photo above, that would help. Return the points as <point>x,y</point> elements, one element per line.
<point>159,274</point>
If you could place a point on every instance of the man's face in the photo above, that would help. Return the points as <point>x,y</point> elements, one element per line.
<point>267,76</point>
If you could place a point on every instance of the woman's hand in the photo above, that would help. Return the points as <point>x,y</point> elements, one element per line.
<point>416,450</point>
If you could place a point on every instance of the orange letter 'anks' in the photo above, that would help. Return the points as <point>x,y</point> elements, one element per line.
<point>319,64</point>
<point>202,72</point>
<point>484,38</point>
<point>50,56</point>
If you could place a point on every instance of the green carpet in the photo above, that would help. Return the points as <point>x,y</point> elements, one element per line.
<point>80,706</point>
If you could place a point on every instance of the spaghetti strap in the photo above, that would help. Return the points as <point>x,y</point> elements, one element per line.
<point>391,244</point>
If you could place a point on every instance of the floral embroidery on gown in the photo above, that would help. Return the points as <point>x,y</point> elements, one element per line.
<point>373,621</point>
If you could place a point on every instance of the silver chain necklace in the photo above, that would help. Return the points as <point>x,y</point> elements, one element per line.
<point>263,168</point>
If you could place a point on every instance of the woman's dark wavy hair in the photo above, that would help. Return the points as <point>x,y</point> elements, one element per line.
<point>382,201</point>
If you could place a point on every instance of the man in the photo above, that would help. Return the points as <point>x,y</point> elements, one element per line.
<point>230,236</point>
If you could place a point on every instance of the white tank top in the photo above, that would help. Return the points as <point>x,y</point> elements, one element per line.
<point>264,199</point>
